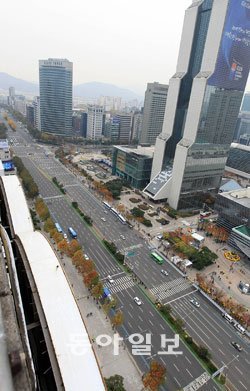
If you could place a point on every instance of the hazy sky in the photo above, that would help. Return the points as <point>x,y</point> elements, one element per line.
<point>123,42</point>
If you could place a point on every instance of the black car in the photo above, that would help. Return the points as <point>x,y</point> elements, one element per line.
<point>236,346</point>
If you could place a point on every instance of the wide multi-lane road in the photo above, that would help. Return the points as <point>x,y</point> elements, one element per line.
<point>204,324</point>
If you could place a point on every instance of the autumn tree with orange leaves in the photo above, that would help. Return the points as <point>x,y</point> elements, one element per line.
<point>73,247</point>
<point>155,377</point>
<point>97,290</point>
<point>91,278</point>
<point>118,318</point>
<point>63,246</point>
<point>88,266</point>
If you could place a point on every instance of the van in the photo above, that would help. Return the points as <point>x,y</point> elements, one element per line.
<point>227,317</point>
<point>239,328</point>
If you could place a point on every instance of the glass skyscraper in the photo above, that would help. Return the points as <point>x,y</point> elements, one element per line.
<point>55,83</point>
<point>203,103</point>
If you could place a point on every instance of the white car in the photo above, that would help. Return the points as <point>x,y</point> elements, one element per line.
<point>123,237</point>
<point>159,237</point>
<point>86,257</point>
<point>110,279</point>
<point>103,219</point>
<point>137,301</point>
<point>65,236</point>
<point>164,272</point>
<point>195,302</point>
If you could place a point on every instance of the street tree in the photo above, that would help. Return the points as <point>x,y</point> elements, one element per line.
<point>155,377</point>
<point>118,318</point>
<point>114,383</point>
<point>91,278</point>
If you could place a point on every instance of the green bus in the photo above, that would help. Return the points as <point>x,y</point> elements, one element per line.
<point>157,258</point>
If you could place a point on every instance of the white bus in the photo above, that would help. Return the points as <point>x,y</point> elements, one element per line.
<point>106,205</point>
<point>58,227</point>
<point>121,218</point>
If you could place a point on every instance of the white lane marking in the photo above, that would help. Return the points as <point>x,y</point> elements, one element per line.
<point>150,322</point>
<point>130,314</point>
<point>176,367</point>
<point>243,385</point>
<point>188,360</point>
<point>189,372</point>
<point>161,326</point>
<point>221,352</point>
<point>178,383</point>
<point>140,318</point>
<point>238,370</point>
<point>151,314</point>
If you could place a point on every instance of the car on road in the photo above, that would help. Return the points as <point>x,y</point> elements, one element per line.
<point>86,257</point>
<point>236,346</point>
<point>122,237</point>
<point>65,236</point>
<point>103,219</point>
<point>105,211</point>
<point>195,302</point>
<point>159,237</point>
<point>164,272</point>
<point>137,300</point>
<point>110,279</point>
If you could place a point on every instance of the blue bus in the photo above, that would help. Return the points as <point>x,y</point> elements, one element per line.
<point>72,232</point>
<point>58,227</point>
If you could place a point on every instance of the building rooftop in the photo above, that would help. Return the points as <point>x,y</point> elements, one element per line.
<point>156,184</point>
<point>229,185</point>
<point>140,151</point>
<point>241,146</point>
<point>243,229</point>
<point>240,196</point>
<point>65,324</point>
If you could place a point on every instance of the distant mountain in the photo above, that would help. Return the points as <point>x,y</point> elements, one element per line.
<point>92,90</point>
<point>95,89</point>
<point>20,85</point>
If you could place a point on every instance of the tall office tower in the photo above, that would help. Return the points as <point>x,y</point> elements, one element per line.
<point>125,122</point>
<point>55,82</point>
<point>30,114</point>
<point>94,122</point>
<point>12,92</point>
<point>36,104</point>
<point>153,112</point>
<point>136,126</point>
<point>204,99</point>
<point>246,102</point>
<point>11,97</point>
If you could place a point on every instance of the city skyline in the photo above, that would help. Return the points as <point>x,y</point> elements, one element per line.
<point>127,51</point>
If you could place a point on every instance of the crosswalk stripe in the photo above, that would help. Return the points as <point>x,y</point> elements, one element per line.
<point>169,288</point>
<point>120,284</point>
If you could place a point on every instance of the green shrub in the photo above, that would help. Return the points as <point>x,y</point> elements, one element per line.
<point>137,212</point>
<point>146,222</point>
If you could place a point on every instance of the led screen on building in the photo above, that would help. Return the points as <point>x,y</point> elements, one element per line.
<point>232,66</point>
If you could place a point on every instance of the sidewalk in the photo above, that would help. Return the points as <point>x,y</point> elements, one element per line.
<point>97,324</point>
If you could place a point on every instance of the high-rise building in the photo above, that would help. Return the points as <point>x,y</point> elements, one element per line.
<point>153,112</point>
<point>30,115</point>
<point>246,102</point>
<point>204,99</point>
<point>94,122</point>
<point>124,121</point>
<point>12,92</point>
<point>36,104</point>
<point>55,82</point>
<point>136,126</point>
